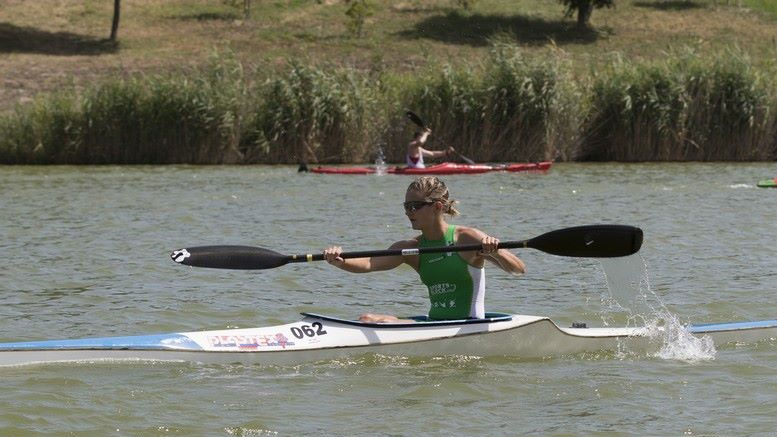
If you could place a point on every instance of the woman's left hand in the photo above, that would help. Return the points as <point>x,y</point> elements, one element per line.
<point>490,246</point>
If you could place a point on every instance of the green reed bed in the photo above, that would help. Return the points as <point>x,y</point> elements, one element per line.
<point>515,109</point>
<point>42,132</point>
<point>312,115</point>
<point>730,111</point>
<point>683,109</point>
<point>156,122</point>
<point>512,108</point>
<point>187,118</point>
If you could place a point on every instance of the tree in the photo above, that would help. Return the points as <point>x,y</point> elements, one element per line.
<point>358,11</point>
<point>115,24</point>
<point>584,9</point>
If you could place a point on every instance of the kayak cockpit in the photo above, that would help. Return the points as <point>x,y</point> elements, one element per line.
<point>420,321</point>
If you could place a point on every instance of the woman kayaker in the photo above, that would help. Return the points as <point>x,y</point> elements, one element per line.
<point>456,280</point>
<point>416,152</point>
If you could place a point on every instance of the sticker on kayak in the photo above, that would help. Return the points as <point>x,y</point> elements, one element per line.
<point>250,341</point>
<point>180,255</point>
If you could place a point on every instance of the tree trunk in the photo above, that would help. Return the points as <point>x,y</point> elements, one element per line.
<point>115,25</point>
<point>584,14</point>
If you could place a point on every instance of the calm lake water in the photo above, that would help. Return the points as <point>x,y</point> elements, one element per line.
<point>85,253</point>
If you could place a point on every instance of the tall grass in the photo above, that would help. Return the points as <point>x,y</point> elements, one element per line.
<point>682,109</point>
<point>312,115</point>
<point>512,108</point>
<point>515,109</point>
<point>188,118</point>
<point>43,132</point>
<point>730,111</point>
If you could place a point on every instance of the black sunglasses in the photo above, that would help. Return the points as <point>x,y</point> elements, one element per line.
<point>415,205</point>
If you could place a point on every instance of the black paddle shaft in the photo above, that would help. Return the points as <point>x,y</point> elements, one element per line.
<point>593,241</point>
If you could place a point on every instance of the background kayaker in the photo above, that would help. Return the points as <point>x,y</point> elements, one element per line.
<point>416,152</point>
<point>456,281</point>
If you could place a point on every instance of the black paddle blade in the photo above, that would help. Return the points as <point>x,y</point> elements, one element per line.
<point>595,241</point>
<point>229,257</point>
<point>415,119</point>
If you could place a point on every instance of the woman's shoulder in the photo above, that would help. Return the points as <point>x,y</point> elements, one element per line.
<point>466,234</point>
<point>406,244</point>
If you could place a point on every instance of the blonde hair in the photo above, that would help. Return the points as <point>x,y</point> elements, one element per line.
<point>433,188</point>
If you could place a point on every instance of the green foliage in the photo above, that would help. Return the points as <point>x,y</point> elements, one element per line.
<point>509,112</point>
<point>192,118</point>
<point>526,97</point>
<point>357,12</point>
<point>684,109</point>
<point>41,133</point>
<point>512,108</point>
<point>311,114</point>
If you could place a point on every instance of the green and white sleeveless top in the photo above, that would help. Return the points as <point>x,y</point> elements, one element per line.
<point>456,289</point>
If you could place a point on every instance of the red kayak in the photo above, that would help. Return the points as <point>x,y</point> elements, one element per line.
<point>445,168</point>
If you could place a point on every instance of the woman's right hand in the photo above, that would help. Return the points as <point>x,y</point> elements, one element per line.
<point>332,256</point>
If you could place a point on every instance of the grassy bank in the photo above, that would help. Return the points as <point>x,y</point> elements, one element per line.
<point>510,108</point>
<point>45,46</point>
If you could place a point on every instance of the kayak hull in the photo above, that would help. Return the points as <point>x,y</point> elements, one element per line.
<point>768,183</point>
<point>445,168</point>
<point>316,338</point>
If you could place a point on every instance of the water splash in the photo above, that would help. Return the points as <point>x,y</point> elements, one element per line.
<point>380,162</point>
<point>677,343</point>
<point>644,307</point>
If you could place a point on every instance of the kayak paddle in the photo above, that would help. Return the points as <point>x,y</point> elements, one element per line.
<point>420,123</point>
<point>593,241</point>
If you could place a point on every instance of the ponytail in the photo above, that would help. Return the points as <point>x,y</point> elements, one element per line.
<point>433,188</point>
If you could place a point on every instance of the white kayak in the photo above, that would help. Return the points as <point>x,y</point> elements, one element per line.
<point>318,337</point>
